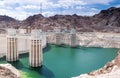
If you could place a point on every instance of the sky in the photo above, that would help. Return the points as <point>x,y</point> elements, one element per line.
<point>21,9</point>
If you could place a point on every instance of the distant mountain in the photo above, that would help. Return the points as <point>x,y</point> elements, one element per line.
<point>6,21</point>
<point>62,21</point>
<point>106,21</point>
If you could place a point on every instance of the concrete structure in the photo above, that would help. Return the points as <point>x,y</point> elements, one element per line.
<point>65,37</point>
<point>22,31</point>
<point>50,37</point>
<point>35,56</point>
<point>73,38</point>
<point>12,49</point>
<point>58,36</point>
<point>34,43</point>
<point>44,42</point>
<point>28,30</point>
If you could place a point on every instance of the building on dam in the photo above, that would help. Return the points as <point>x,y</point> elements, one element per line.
<point>33,41</point>
<point>59,37</point>
<point>36,44</point>
<point>12,49</point>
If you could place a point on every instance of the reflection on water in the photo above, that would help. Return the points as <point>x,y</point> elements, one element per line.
<point>64,61</point>
<point>44,71</point>
<point>46,49</point>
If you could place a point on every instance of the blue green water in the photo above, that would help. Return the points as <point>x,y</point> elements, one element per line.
<point>65,62</point>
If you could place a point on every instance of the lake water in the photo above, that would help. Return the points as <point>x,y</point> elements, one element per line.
<point>65,62</point>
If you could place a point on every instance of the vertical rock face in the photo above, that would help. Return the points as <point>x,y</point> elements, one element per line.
<point>8,71</point>
<point>117,60</point>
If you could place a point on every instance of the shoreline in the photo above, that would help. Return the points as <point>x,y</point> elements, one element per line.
<point>98,40</point>
<point>8,71</point>
<point>110,70</point>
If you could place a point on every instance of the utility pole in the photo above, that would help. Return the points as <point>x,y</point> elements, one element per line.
<point>40,8</point>
<point>41,14</point>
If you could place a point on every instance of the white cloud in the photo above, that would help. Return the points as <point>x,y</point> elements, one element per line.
<point>17,8</point>
<point>69,3</point>
<point>79,7</point>
<point>21,2</point>
<point>30,7</point>
<point>22,8</point>
<point>106,2</point>
<point>49,13</point>
<point>117,5</point>
<point>15,13</point>
<point>84,11</point>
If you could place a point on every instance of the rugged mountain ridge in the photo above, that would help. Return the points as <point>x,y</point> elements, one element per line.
<point>106,21</point>
<point>6,21</point>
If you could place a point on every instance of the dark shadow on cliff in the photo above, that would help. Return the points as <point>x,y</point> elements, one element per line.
<point>44,71</point>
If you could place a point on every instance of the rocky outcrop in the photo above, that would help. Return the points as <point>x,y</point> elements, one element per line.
<point>6,21</point>
<point>97,39</point>
<point>8,71</point>
<point>110,70</point>
<point>106,21</point>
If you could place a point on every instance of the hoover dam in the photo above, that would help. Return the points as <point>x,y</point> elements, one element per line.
<point>82,57</point>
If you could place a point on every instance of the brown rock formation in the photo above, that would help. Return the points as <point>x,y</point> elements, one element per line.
<point>8,71</point>
<point>106,21</point>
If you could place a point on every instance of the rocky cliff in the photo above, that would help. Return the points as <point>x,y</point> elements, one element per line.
<point>8,71</point>
<point>6,21</point>
<point>106,21</point>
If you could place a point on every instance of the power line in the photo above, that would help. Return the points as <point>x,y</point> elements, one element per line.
<point>40,8</point>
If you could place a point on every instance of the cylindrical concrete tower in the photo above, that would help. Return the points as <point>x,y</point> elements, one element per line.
<point>35,55</point>
<point>12,50</point>
<point>28,30</point>
<point>58,37</point>
<point>73,38</point>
